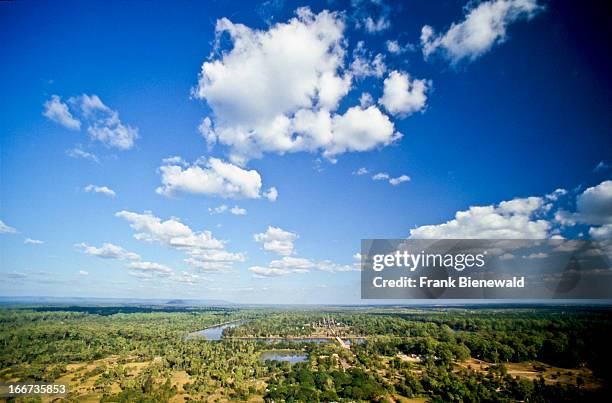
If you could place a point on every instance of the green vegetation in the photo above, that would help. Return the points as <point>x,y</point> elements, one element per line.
<point>443,354</point>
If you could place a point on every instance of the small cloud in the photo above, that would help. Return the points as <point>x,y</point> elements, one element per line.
<point>271,194</point>
<point>30,241</point>
<point>601,167</point>
<point>399,179</point>
<point>277,240</point>
<point>366,100</point>
<point>5,229</point>
<point>100,189</point>
<point>238,210</point>
<point>83,273</point>
<point>108,251</point>
<point>539,255</point>
<point>361,171</point>
<point>79,153</point>
<point>381,176</point>
<point>58,111</point>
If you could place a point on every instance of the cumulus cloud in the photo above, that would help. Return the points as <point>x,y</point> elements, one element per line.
<point>57,111</point>
<point>212,177</point>
<point>601,233</point>
<point>108,251</point>
<point>213,260</point>
<point>556,194</point>
<point>172,232</point>
<point>149,267</point>
<point>277,240</point>
<point>371,15</point>
<point>6,229</point>
<point>484,26</point>
<point>365,100</point>
<point>271,194</point>
<point>289,265</point>
<point>203,250</point>
<point>403,96</point>
<point>383,176</point>
<point>79,153</point>
<point>395,48</point>
<point>277,91</point>
<point>103,122</point>
<point>236,210</point>
<point>361,171</point>
<point>514,219</point>
<point>30,241</point>
<point>594,205</point>
<point>364,64</point>
<point>284,266</point>
<point>399,179</point>
<point>100,189</point>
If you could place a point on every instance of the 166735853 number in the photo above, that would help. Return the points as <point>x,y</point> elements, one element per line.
<point>13,389</point>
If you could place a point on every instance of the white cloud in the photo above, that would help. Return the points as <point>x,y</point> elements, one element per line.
<point>514,219</point>
<point>58,111</point>
<point>371,15</point>
<point>365,100</point>
<point>395,48</point>
<point>484,26</point>
<point>79,153</point>
<point>381,176</point>
<point>108,251</point>
<point>187,278</point>
<point>284,266</point>
<point>539,255</point>
<point>175,160</point>
<point>594,205</point>
<point>601,233</point>
<point>277,240</point>
<point>331,267</point>
<point>403,96</point>
<point>203,250</point>
<point>105,125</point>
<point>289,265</point>
<point>277,90</point>
<point>172,232</point>
<point>149,267</point>
<point>236,210</point>
<point>215,178</point>
<point>213,260</point>
<point>5,229</point>
<point>30,241</point>
<point>83,273</point>
<point>100,189</point>
<point>399,179</point>
<point>374,26</point>
<point>218,210</point>
<point>260,271</point>
<point>271,194</point>
<point>366,65</point>
<point>103,122</point>
<point>360,130</point>
<point>601,167</point>
<point>361,171</point>
<point>555,195</point>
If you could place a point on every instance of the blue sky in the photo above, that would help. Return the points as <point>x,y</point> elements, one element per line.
<point>469,106</point>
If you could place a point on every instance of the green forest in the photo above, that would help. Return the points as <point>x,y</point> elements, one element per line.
<point>442,354</point>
